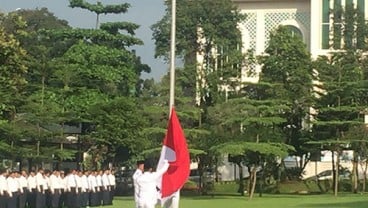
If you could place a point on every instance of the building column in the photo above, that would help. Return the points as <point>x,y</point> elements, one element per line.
<point>316,27</point>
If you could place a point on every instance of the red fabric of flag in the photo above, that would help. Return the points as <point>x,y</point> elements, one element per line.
<point>175,150</point>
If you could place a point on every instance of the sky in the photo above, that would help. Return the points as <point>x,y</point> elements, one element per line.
<point>142,12</point>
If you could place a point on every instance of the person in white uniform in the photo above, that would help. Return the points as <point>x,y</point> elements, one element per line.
<point>112,181</point>
<point>92,185</point>
<point>32,188</point>
<point>55,189</point>
<point>147,196</point>
<point>40,189</point>
<point>13,190</point>
<point>137,173</point>
<point>3,188</point>
<point>23,183</point>
<point>105,188</point>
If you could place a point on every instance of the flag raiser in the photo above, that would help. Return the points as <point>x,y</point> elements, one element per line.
<point>175,150</point>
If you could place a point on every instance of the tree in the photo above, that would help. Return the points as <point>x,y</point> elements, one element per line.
<point>209,29</point>
<point>340,101</point>
<point>38,108</point>
<point>99,8</point>
<point>93,76</point>
<point>342,89</point>
<point>288,68</point>
<point>72,71</point>
<point>12,84</point>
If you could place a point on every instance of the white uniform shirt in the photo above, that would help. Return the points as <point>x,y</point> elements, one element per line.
<point>31,182</point>
<point>136,174</point>
<point>147,196</point>
<point>112,179</point>
<point>55,183</point>
<point>92,183</point>
<point>79,182</point>
<point>46,182</point>
<point>23,182</point>
<point>3,185</point>
<point>63,183</point>
<point>99,180</point>
<point>85,186</point>
<point>13,184</point>
<point>71,182</point>
<point>39,181</point>
<point>105,181</point>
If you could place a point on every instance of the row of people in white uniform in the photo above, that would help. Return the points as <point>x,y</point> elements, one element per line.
<point>55,189</point>
<point>146,192</point>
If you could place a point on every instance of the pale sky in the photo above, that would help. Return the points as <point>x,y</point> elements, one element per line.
<point>142,12</point>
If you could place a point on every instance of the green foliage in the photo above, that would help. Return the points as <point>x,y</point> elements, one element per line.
<point>99,8</point>
<point>101,37</point>
<point>114,27</point>
<point>76,76</point>
<point>263,149</point>
<point>288,63</point>
<point>118,123</point>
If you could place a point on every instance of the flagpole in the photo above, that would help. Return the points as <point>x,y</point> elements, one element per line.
<point>176,196</point>
<point>172,55</point>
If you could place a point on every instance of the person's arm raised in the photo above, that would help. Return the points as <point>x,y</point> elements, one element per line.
<point>163,169</point>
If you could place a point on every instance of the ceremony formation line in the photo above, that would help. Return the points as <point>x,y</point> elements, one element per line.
<point>56,189</point>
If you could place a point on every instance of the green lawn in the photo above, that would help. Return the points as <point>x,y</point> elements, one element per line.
<point>267,201</point>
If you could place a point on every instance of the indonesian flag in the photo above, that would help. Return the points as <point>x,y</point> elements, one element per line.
<point>175,150</point>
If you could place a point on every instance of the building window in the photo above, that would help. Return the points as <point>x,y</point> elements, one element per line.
<point>325,23</point>
<point>295,32</point>
<point>361,25</point>
<point>337,24</point>
<point>361,6</point>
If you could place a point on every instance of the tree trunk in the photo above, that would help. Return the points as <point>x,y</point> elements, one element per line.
<point>355,175</point>
<point>336,185</point>
<point>241,180</point>
<point>253,180</point>
<point>333,170</point>
<point>364,176</point>
<point>97,21</point>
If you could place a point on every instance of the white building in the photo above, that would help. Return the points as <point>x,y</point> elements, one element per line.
<point>312,19</point>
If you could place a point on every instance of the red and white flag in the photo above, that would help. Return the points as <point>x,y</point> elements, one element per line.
<point>175,150</point>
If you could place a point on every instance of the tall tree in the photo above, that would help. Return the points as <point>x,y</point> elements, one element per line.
<point>13,70</point>
<point>342,90</point>
<point>205,29</point>
<point>209,29</point>
<point>288,68</point>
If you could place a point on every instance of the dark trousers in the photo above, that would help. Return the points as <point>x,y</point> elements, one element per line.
<point>84,199</point>
<point>22,199</point>
<point>48,198</point>
<point>105,196</point>
<point>112,194</point>
<point>55,198</point>
<point>72,198</point>
<point>62,199</point>
<point>40,199</point>
<point>12,201</point>
<point>3,201</point>
<point>99,196</point>
<point>31,198</point>
<point>93,199</point>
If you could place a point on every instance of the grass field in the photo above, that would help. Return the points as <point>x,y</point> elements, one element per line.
<point>267,201</point>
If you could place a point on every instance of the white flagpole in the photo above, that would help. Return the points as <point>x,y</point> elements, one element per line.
<point>175,198</point>
<point>172,55</point>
